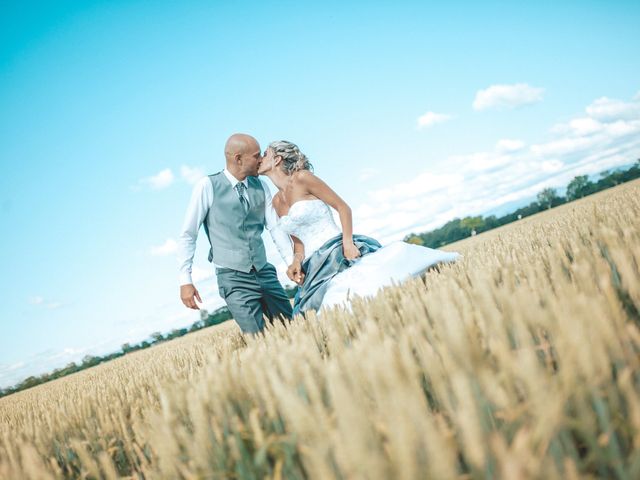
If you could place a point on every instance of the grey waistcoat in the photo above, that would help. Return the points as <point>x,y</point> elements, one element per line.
<point>236,237</point>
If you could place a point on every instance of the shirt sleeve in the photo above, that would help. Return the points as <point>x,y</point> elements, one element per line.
<point>201,201</point>
<point>280,238</point>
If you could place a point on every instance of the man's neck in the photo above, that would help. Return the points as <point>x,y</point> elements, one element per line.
<point>236,175</point>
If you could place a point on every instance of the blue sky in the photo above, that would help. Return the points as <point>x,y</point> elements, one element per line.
<point>415,112</point>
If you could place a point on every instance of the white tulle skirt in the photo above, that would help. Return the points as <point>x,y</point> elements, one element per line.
<point>390,264</point>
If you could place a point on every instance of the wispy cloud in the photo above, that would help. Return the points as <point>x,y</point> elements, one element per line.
<point>199,274</point>
<point>169,247</point>
<point>367,174</point>
<point>162,179</point>
<point>475,183</point>
<point>607,109</point>
<point>165,178</point>
<point>507,96</point>
<point>509,145</point>
<point>39,301</point>
<point>191,174</point>
<point>430,119</point>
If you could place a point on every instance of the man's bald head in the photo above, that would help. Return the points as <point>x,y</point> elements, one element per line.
<point>238,144</point>
<point>243,156</point>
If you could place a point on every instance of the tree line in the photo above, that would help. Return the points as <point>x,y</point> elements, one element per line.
<point>579,187</point>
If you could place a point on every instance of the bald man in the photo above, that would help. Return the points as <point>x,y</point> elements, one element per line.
<point>234,206</point>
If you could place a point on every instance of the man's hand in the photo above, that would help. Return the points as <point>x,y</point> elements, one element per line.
<point>188,295</point>
<point>295,273</point>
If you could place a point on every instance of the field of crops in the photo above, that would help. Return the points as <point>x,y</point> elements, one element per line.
<point>519,361</point>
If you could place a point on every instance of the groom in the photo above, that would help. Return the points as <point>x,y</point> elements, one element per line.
<point>234,206</point>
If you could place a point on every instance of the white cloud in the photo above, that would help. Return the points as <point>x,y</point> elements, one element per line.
<point>429,119</point>
<point>421,184</point>
<point>37,300</point>
<point>191,174</point>
<point>509,145</point>
<point>481,161</point>
<point>367,174</point>
<point>169,247</point>
<point>473,184</point>
<point>551,166</point>
<point>606,109</point>
<point>563,146</point>
<point>507,96</point>
<point>160,180</point>
<point>199,274</point>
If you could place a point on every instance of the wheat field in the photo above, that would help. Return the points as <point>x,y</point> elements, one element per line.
<point>519,361</point>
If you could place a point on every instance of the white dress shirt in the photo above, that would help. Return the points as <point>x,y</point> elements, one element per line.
<point>201,201</point>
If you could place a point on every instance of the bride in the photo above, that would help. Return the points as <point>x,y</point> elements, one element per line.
<point>331,264</point>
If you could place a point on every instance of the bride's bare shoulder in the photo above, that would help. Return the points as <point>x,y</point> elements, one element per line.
<point>276,201</point>
<point>304,176</point>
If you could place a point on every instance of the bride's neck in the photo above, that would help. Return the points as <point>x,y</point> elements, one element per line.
<point>279,178</point>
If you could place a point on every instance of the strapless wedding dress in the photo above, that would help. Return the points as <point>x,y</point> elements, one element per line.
<point>312,222</point>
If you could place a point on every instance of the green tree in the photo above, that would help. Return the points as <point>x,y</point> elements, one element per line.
<point>547,197</point>
<point>472,223</point>
<point>578,187</point>
<point>157,337</point>
<point>89,360</point>
<point>414,239</point>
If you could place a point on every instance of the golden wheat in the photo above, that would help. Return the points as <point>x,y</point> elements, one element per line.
<point>519,361</point>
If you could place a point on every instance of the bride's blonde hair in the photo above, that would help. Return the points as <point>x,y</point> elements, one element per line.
<point>293,159</point>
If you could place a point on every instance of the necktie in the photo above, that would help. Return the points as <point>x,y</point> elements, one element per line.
<point>241,188</point>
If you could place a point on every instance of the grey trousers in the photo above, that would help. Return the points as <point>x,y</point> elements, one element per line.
<point>251,295</point>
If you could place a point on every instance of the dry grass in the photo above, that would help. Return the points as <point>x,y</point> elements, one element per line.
<point>520,361</point>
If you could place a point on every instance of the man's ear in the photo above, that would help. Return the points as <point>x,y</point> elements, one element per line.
<point>238,158</point>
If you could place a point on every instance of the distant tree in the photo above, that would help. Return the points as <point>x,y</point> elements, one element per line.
<point>29,382</point>
<point>126,347</point>
<point>578,187</point>
<point>414,239</point>
<point>491,222</point>
<point>472,223</point>
<point>547,197</point>
<point>90,360</point>
<point>157,337</point>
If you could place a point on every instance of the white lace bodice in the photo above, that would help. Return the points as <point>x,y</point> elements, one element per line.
<point>312,222</point>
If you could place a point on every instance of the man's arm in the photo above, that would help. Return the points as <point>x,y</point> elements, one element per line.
<point>280,238</point>
<point>201,201</point>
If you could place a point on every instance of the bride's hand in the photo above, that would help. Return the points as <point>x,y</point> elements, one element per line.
<point>350,251</point>
<point>295,273</point>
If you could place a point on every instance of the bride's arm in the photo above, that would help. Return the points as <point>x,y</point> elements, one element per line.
<point>298,249</point>
<point>294,272</point>
<point>321,190</point>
